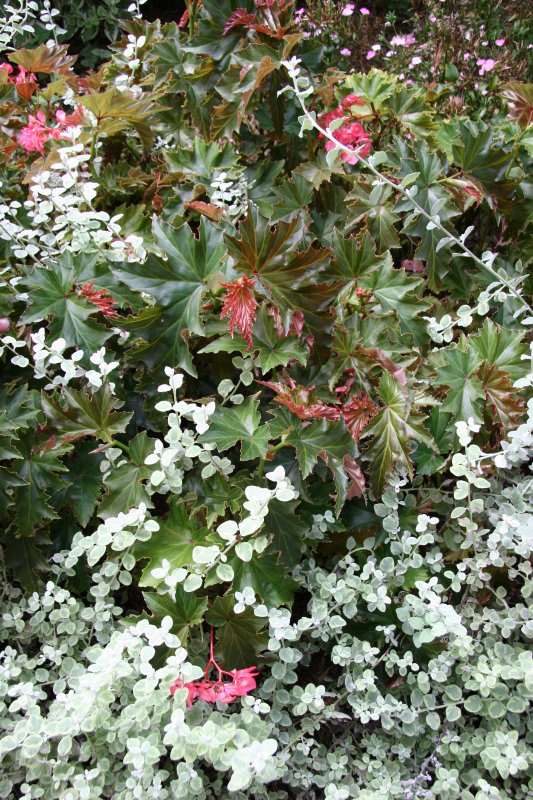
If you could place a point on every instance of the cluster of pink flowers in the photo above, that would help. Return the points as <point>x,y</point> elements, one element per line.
<point>23,75</point>
<point>219,691</point>
<point>403,40</point>
<point>485,65</point>
<point>351,134</point>
<point>36,133</point>
<point>349,8</point>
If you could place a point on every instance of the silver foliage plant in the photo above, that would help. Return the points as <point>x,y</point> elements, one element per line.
<point>86,714</point>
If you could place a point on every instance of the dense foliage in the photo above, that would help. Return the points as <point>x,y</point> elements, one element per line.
<point>266,414</point>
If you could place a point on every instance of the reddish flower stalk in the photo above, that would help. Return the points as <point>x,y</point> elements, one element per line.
<point>242,682</point>
<point>100,298</point>
<point>240,306</point>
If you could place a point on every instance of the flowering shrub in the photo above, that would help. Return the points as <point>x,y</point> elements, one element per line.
<point>266,419</point>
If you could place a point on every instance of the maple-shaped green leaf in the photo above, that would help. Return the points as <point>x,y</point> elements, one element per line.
<point>53,298</point>
<point>273,254</point>
<point>80,413</point>
<point>316,171</point>
<point>410,108</point>
<point>24,559</point>
<point>186,611</point>
<point>178,284</point>
<point>292,197</point>
<point>44,58</point>
<point>287,530</point>
<point>486,162</point>
<point>330,440</point>
<point>268,579</point>
<point>116,111</point>
<point>125,483</point>
<point>502,348</point>
<point>374,88</point>
<point>84,478</point>
<point>214,495</point>
<point>287,273</point>
<point>20,409</point>
<point>8,482</point>
<point>396,290</point>
<point>429,459</point>
<point>392,431</point>
<point>508,408</point>
<point>367,344</point>
<point>42,471</point>
<point>227,426</point>
<point>438,258</point>
<point>373,206</point>
<point>175,540</point>
<point>239,637</point>
<point>354,257</point>
<point>272,351</point>
<point>457,374</point>
<point>203,160</point>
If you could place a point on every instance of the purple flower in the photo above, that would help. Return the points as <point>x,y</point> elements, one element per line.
<point>364,11</point>
<point>370,54</point>
<point>346,51</point>
<point>499,42</point>
<point>348,10</point>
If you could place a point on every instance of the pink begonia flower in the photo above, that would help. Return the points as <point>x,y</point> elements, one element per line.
<point>499,42</point>
<point>354,136</point>
<point>25,77</point>
<point>218,691</point>
<point>345,52</point>
<point>7,67</point>
<point>36,133</point>
<point>370,54</point>
<point>348,10</point>
<point>364,11</point>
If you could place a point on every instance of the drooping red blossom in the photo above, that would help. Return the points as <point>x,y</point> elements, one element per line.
<point>300,401</point>
<point>100,298</point>
<point>240,306</point>
<point>357,413</point>
<point>218,691</point>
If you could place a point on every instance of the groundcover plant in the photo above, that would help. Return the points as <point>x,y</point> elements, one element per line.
<point>266,418</point>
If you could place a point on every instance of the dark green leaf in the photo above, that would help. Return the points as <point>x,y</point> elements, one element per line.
<point>84,414</point>
<point>178,284</point>
<point>241,423</point>
<point>175,540</point>
<point>238,635</point>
